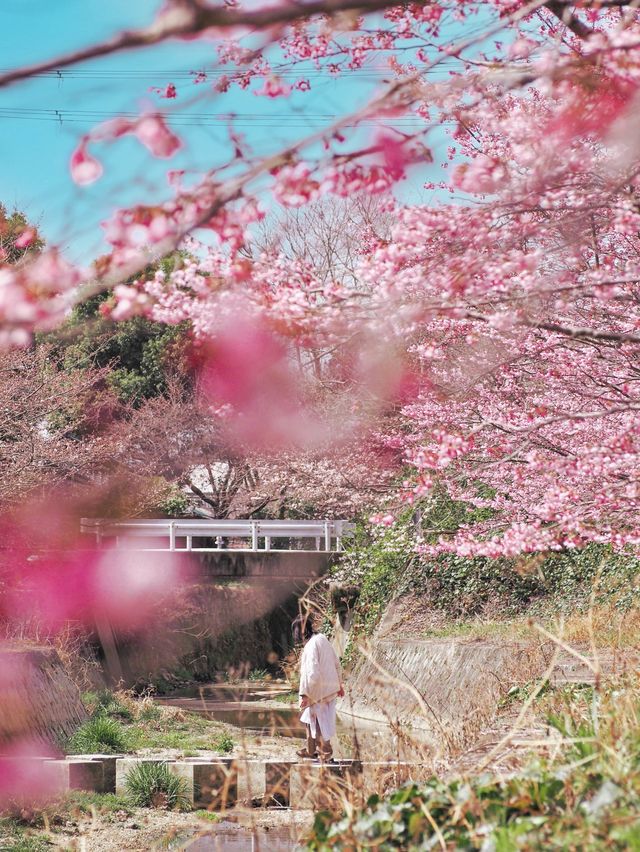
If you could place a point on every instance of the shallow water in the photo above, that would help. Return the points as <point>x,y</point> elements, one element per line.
<point>228,837</point>
<point>242,706</point>
<point>252,706</point>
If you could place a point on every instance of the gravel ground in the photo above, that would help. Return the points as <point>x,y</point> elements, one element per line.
<point>155,829</point>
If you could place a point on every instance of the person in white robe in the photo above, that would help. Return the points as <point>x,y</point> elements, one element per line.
<point>320,685</point>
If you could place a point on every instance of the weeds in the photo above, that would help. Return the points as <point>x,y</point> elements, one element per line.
<point>208,816</point>
<point>153,785</point>
<point>287,698</point>
<point>20,842</point>
<point>612,626</point>
<point>124,722</point>
<point>258,674</point>
<point>107,703</point>
<point>15,838</point>
<point>582,792</point>
<point>100,735</point>
<point>224,744</point>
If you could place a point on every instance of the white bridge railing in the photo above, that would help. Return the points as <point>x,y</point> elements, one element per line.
<point>183,535</point>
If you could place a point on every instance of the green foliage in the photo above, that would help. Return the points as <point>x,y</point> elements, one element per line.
<point>377,559</point>
<point>561,581</point>
<point>258,674</point>
<point>190,733</point>
<point>72,806</point>
<point>153,785</point>
<point>100,735</point>
<point>541,809</point>
<point>287,698</point>
<point>224,743</point>
<point>150,713</point>
<point>14,838</point>
<point>105,703</point>
<point>175,504</point>
<point>79,801</point>
<point>208,816</point>
<point>140,354</point>
<point>383,561</point>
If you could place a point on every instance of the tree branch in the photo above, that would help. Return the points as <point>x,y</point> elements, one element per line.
<point>575,332</point>
<point>187,19</point>
<point>562,11</point>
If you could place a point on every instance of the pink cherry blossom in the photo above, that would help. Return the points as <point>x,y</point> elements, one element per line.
<point>85,169</point>
<point>154,134</point>
<point>273,87</point>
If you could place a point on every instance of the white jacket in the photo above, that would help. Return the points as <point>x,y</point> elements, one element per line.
<point>320,678</point>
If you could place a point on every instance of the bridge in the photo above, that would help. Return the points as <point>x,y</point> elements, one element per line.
<point>221,536</point>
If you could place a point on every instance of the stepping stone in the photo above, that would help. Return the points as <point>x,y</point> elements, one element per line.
<point>320,786</point>
<point>252,786</point>
<point>210,784</point>
<point>78,774</point>
<point>108,762</point>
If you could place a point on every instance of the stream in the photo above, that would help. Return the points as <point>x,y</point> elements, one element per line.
<point>269,709</point>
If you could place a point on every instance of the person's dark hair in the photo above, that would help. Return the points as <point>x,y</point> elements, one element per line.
<point>302,629</point>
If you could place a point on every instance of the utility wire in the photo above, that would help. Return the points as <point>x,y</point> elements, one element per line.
<point>239,119</point>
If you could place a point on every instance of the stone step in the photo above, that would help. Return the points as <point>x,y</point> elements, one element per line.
<point>223,783</point>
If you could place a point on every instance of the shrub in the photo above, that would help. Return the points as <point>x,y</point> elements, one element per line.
<point>384,564</point>
<point>224,743</point>
<point>100,735</point>
<point>153,785</point>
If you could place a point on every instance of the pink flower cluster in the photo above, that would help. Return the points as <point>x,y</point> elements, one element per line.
<point>150,129</point>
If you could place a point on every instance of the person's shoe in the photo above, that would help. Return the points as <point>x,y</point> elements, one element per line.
<point>305,755</point>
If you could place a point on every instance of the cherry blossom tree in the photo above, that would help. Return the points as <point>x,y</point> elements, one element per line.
<point>498,323</point>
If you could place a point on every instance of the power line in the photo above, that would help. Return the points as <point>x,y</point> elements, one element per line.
<point>241,119</point>
<point>370,71</point>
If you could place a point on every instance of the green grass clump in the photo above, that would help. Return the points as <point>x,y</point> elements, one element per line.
<point>105,703</point>
<point>208,816</point>
<point>192,733</point>
<point>153,785</point>
<point>259,674</point>
<point>85,802</point>
<point>224,743</point>
<point>100,735</point>
<point>15,838</point>
<point>150,713</point>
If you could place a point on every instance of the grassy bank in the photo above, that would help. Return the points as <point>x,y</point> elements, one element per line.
<point>122,722</point>
<point>582,791</point>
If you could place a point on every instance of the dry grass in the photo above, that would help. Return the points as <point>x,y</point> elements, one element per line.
<point>611,628</point>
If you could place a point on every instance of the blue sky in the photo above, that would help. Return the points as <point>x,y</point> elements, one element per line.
<point>36,146</point>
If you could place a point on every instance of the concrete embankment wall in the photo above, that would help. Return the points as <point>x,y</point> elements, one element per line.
<point>445,690</point>
<point>39,701</point>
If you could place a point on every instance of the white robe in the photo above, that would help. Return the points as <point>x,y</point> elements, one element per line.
<point>320,681</point>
